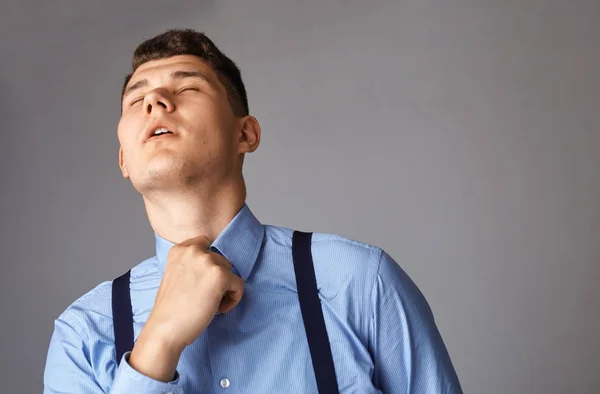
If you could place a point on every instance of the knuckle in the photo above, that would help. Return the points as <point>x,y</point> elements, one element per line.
<point>217,277</point>
<point>195,248</point>
<point>193,252</point>
<point>204,259</point>
<point>217,272</point>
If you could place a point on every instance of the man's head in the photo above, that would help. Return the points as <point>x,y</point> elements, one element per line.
<point>183,83</point>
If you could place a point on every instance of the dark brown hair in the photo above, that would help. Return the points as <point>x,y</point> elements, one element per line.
<point>190,42</point>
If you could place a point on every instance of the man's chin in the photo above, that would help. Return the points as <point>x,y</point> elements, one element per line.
<point>164,167</point>
<point>165,179</point>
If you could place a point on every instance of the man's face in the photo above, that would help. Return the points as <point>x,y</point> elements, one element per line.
<point>183,95</point>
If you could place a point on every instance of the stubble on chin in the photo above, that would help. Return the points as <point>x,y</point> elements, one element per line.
<point>176,174</point>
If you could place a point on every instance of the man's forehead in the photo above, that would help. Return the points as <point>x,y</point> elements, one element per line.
<point>164,67</point>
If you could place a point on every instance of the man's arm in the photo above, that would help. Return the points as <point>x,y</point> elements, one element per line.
<point>195,280</point>
<point>409,354</point>
<point>69,367</point>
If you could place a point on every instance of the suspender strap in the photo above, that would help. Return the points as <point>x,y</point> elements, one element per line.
<point>312,314</point>
<point>122,315</point>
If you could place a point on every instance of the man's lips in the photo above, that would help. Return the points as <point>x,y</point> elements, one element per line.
<point>167,130</point>
<point>161,133</point>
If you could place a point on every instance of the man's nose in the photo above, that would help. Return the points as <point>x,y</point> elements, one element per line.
<point>157,101</point>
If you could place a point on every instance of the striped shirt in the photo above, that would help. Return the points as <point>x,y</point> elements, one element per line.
<point>382,332</point>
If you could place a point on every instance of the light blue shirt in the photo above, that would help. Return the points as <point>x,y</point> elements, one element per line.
<point>382,332</point>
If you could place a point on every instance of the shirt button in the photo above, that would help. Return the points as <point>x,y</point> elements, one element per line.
<point>225,383</point>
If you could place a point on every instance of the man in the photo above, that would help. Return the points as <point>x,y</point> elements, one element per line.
<point>227,304</point>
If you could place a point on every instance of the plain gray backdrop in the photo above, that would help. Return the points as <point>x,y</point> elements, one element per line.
<point>463,137</point>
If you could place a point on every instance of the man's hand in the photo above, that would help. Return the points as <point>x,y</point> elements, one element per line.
<point>196,284</point>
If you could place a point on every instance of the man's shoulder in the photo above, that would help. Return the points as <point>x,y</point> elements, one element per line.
<point>95,306</point>
<point>338,260</point>
<point>89,310</point>
<point>350,248</point>
<point>333,244</point>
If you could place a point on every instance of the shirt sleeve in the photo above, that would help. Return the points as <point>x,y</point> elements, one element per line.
<point>69,369</point>
<point>128,380</point>
<point>409,354</point>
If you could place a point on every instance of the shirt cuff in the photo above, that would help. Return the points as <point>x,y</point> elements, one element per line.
<point>130,381</point>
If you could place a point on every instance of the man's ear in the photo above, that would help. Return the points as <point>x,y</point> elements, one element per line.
<point>122,164</point>
<point>249,137</point>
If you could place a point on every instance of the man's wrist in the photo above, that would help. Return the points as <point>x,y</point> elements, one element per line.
<point>155,356</point>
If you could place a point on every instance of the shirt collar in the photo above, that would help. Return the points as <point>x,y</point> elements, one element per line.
<point>239,243</point>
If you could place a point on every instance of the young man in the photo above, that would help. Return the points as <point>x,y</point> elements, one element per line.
<point>229,305</point>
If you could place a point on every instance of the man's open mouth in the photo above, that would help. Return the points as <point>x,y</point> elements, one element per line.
<point>160,131</point>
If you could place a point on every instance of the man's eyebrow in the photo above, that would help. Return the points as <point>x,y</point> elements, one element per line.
<point>139,84</point>
<point>174,75</point>
<point>189,74</point>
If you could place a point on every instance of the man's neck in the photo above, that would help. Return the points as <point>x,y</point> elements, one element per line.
<point>179,216</point>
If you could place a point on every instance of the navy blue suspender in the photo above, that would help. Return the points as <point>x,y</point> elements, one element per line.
<point>122,315</point>
<point>310,306</point>
<point>312,313</point>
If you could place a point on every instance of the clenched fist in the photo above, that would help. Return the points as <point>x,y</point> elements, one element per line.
<point>196,284</point>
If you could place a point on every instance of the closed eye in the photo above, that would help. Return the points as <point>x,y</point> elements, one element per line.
<point>188,88</point>
<point>136,101</point>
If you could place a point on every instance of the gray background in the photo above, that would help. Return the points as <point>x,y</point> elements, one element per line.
<point>461,136</point>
